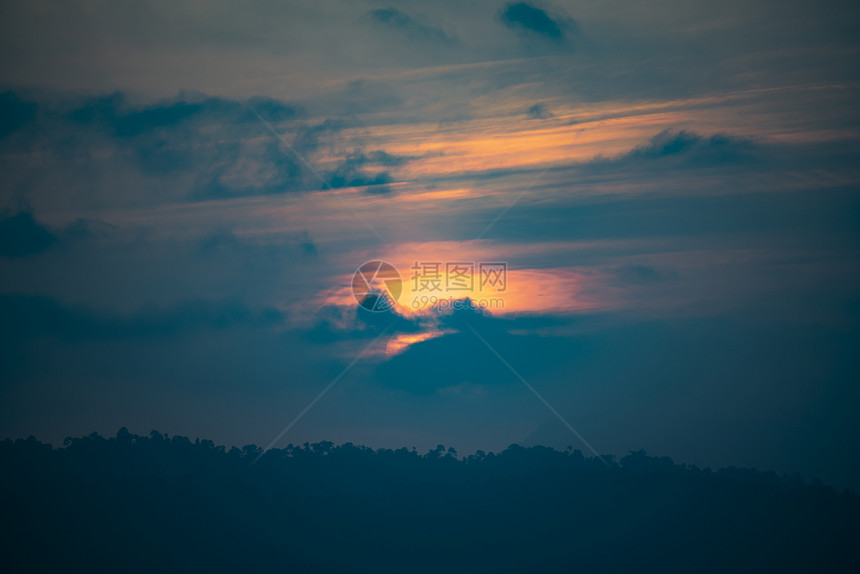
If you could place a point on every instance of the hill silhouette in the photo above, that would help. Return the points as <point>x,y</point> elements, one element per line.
<point>157,503</point>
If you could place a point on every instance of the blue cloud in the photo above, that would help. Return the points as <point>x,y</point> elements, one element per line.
<point>337,323</point>
<point>696,149</point>
<point>522,16</point>
<point>351,173</point>
<point>114,112</point>
<point>15,113</point>
<point>124,120</point>
<point>28,316</point>
<point>463,358</point>
<point>22,236</point>
<point>538,112</point>
<point>172,137</point>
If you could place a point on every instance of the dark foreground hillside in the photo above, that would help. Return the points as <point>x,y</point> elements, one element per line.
<point>146,504</point>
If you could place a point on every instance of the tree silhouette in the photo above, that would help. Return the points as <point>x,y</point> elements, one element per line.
<point>143,503</point>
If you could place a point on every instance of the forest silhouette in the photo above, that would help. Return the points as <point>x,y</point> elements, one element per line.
<point>158,503</point>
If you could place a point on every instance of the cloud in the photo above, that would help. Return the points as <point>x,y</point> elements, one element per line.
<point>414,30</point>
<point>22,236</point>
<point>125,120</point>
<point>239,170</point>
<point>524,17</point>
<point>538,112</point>
<point>115,113</point>
<point>461,358</point>
<point>28,316</point>
<point>353,172</point>
<point>338,323</point>
<point>15,113</point>
<point>197,147</point>
<point>122,267</point>
<point>719,148</point>
<point>350,174</point>
<point>188,133</point>
<point>165,116</point>
<point>384,158</point>
<point>690,149</point>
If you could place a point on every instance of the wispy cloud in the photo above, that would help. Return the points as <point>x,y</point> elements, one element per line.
<point>412,28</point>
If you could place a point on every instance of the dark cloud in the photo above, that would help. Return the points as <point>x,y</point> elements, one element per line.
<point>414,29</point>
<point>689,150</point>
<point>125,120</point>
<point>30,316</point>
<point>461,358</point>
<point>116,113</point>
<point>524,17</point>
<point>696,149</point>
<point>204,148</point>
<point>384,158</point>
<point>287,165</point>
<point>102,110</point>
<point>22,236</point>
<point>339,323</point>
<point>538,112</point>
<point>168,136</point>
<point>353,170</point>
<point>276,170</point>
<point>350,174</point>
<point>165,116</point>
<point>15,112</point>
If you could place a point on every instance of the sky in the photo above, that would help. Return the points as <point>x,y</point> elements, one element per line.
<point>669,192</point>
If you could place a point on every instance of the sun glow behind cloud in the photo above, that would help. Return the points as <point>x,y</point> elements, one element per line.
<point>402,341</point>
<point>527,290</point>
